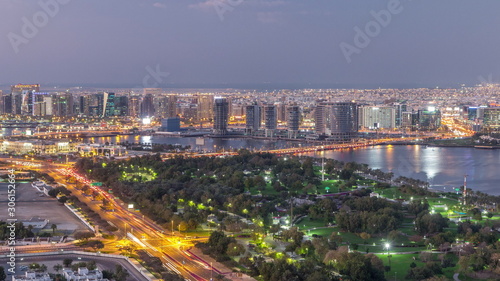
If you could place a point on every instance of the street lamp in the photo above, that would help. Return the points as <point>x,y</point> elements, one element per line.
<point>387,246</point>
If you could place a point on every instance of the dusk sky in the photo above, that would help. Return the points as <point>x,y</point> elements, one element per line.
<point>428,42</point>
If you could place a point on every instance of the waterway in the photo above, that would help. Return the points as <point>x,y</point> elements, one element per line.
<point>443,167</point>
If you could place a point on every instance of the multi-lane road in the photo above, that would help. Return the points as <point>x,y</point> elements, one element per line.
<point>147,234</point>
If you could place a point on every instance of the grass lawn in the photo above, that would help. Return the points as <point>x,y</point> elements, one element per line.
<point>442,201</point>
<point>307,223</point>
<point>400,264</point>
<point>325,232</point>
<point>332,184</point>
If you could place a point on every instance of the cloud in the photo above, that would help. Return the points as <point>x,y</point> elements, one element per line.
<point>159,5</point>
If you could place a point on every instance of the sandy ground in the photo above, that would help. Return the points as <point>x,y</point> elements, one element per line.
<point>30,204</point>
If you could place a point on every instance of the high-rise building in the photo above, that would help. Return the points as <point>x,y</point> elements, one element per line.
<point>172,106</point>
<point>48,105</point>
<point>429,119</point>
<point>109,105</point>
<point>22,98</point>
<point>134,108</point>
<point>161,106</point>
<point>253,118</point>
<point>39,105</point>
<point>337,120</point>
<point>7,104</point>
<point>281,112</point>
<point>408,120</point>
<point>147,106</point>
<point>271,122</point>
<point>377,117</point>
<point>206,106</point>
<point>83,105</point>
<point>2,104</point>
<point>293,122</point>
<point>221,115</point>
<point>491,118</point>
<point>400,108</point>
<point>62,104</point>
<point>121,106</point>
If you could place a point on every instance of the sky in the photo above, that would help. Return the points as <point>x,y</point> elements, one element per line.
<point>309,42</point>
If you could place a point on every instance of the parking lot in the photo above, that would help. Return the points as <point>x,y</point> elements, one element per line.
<point>32,203</point>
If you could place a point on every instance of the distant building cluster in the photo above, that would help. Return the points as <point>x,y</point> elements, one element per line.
<point>338,114</point>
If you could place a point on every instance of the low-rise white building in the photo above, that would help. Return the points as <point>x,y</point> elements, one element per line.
<point>36,222</point>
<point>37,147</point>
<point>84,274</point>
<point>32,276</point>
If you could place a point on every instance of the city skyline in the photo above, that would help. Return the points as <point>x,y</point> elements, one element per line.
<point>254,42</point>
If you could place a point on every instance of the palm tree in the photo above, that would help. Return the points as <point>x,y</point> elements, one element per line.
<point>54,227</point>
<point>57,267</point>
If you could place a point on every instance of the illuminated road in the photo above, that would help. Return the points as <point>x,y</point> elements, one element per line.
<point>148,235</point>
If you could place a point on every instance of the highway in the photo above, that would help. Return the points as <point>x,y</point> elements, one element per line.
<point>141,230</point>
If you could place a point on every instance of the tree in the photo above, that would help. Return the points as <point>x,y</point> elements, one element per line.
<point>121,273</point>
<point>62,199</point>
<point>365,236</point>
<point>54,227</point>
<point>3,276</point>
<point>43,268</point>
<point>84,235</point>
<point>53,193</point>
<point>317,276</point>
<point>293,234</point>
<point>235,249</point>
<point>95,244</point>
<point>67,262</point>
<point>358,267</point>
<point>107,274</point>
<point>183,226</point>
<point>259,182</point>
<point>91,265</point>
<point>57,267</point>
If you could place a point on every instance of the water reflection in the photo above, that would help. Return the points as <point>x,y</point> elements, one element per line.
<point>444,168</point>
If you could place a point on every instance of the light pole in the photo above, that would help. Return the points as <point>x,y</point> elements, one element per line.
<point>211,271</point>
<point>387,245</point>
